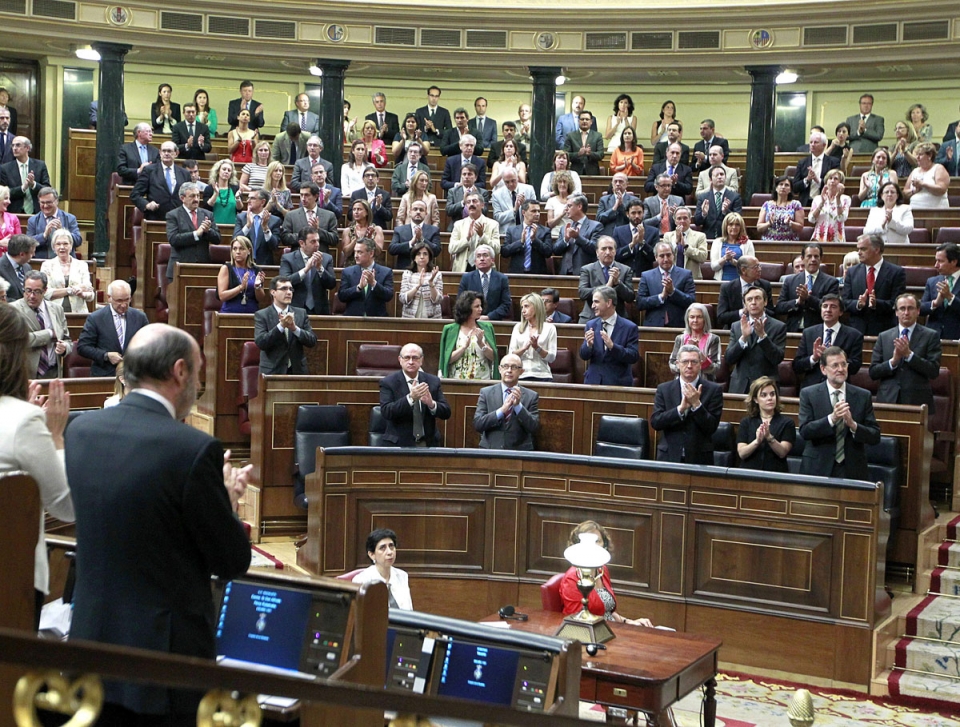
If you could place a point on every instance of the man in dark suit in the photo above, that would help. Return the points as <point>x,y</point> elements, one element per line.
<point>949,155</point>
<point>330,198</point>
<point>307,121</point>
<point>366,287</point>
<point>246,103</point>
<point>585,147</point>
<point>157,190</point>
<point>311,273</point>
<point>178,488</point>
<point>730,307</point>
<point>480,126</point>
<point>701,150</point>
<point>491,284</point>
<point>757,343</point>
<point>866,128</point>
<point>303,169</point>
<point>906,358</point>
<point>528,245</point>
<point>632,247</point>
<point>508,415</point>
<point>577,242</point>
<point>25,177</point>
<point>108,330</point>
<point>687,412</point>
<point>715,204</point>
<point>681,176</point>
<point>408,235</point>
<point>467,155</point>
<point>388,124</point>
<point>609,343</point>
<point>605,271</point>
<point>612,208</point>
<point>260,227</point>
<point>666,291</point>
<point>837,422</point>
<point>309,214</point>
<point>374,195</point>
<point>433,120</point>
<point>817,338</point>
<point>551,298</point>
<point>6,137</point>
<point>190,230</point>
<point>940,304</point>
<point>411,402</point>
<point>282,332</point>
<point>192,137</point>
<point>48,220</point>
<point>15,264</point>
<point>135,156</point>
<point>812,169</point>
<point>450,145</point>
<point>659,211</point>
<point>871,288</point>
<point>456,203</point>
<point>662,148</point>
<point>509,130</point>
<point>801,292</point>
<point>404,171</point>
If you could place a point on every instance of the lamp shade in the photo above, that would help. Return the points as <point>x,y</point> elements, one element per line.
<point>588,553</point>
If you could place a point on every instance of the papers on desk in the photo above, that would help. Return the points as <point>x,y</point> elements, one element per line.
<point>496,624</point>
<point>55,618</point>
<point>265,700</point>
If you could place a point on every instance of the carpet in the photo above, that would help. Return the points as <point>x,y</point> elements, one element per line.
<point>262,559</point>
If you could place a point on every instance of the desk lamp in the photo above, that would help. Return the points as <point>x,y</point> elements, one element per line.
<point>587,556</point>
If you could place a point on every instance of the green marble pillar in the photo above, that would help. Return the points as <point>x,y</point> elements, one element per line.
<point>331,113</point>
<point>543,124</point>
<point>760,142</point>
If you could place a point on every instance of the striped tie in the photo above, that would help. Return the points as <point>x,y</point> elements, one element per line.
<point>44,364</point>
<point>840,433</point>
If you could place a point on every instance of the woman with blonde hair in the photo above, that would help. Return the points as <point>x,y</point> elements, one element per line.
<point>276,184</point>
<point>730,247</point>
<point>875,177</point>
<point>830,209</point>
<point>561,163</point>
<point>68,279</point>
<point>556,206</point>
<point>534,340</point>
<point>374,149</point>
<point>361,228</point>
<point>223,193</point>
<point>254,173</point>
<point>419,190</point>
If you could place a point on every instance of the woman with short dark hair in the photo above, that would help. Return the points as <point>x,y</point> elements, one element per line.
<point>382,551</point>
<point>766,436</point>
<point>468,346</point>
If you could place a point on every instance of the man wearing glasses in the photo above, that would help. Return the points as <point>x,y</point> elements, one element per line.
<point>282,332</point>
<point>411,401</point>
<point>837,422</point>
<point>508,415</point>
<point>49,336</point>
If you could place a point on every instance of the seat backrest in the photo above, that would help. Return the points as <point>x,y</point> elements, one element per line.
<point>917,275</point>
<point>562,366</point>
<point>76,366</point>
<point>638,372</point>
<point>919,236</point>
<point>788,378</point>
<point>771,271</point>
<point>790,171</point>
<point>377,359</point>
<point>622,437</point>
<point>219,254</point>
<point>568,307</point>
<point>948,234</point>
<point>706,271</point>
<point>550,594</point>
<point>724,445</point>
<point>211,304</point>
<point>758,198</point>
<point>318,426</point>
<point>378,425</point>
<point>446,306</point>
<point>941,421</point>
<point>883,463</point>
<point>863,380</point>
<point>851,233</point>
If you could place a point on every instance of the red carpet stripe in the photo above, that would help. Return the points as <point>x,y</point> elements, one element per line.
<point>901,653</point>
<point>914,614</point>
<point>943,554</point>
<point>953,527</point>
<point>935,580</point>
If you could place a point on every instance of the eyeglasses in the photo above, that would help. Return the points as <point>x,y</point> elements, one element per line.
<point>509,367</point>
<point>33,291</point>
<point>411,358</point>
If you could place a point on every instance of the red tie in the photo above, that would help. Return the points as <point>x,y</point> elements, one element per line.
<point>664,218</point>
<point>193,216</point>
<point>871,279</point>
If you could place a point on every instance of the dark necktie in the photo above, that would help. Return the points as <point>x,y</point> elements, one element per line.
<point>840,432</point>
<point>606,274</point>
<point>190,130</point>
<point>3,144</point>
<point>527,249</point>
<point>21,275</point>
<point>44,364</point>
<point>380,117</point>
<point>485,284</point>
<point>293,152</point>
<point>828,338</point>
<point>303,121</point>
<point>418,430</point>
<point>506,417</point>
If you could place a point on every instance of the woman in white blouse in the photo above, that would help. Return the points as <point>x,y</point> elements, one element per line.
<point>893,219</point>
<point>382,551</point>
<point>68,279</point>
<point>534,340</point>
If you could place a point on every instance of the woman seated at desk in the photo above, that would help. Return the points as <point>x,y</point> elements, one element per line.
<point>602,600</point>
<point>382,551</point>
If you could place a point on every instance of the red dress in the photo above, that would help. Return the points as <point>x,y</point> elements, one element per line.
<point>572,600</point>
<point>243,153</point>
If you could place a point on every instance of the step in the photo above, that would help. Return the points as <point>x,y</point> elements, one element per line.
<point>933,657</point>
<point>924,686</point>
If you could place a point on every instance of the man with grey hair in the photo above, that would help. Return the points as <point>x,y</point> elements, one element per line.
<point>190,230</point>
<point>15,264</point>
<point>179,486</point>
<point>48,220</point>
<point>49,335</point>
<point>109,329</point>
<point>388,124</point>
<point>302,170</point>
<point>508,415</point>
<point>137,154</point>
<point>686,412</point>
<point>262,228</point>
<point>467,155</point>
<point>577,241</point>
<point>509,198</point>
<point>25,177</point>
<point>812,169</point>
<point>470,232</point>
<point>610,342</point>
<point>157,190</point>
<point>494,286</point>
<point>411,402</point>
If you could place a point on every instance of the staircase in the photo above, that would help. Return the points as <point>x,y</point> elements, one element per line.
<point>917,652</point>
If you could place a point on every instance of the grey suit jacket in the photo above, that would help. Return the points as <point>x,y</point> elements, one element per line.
<point>759,358</point>
<point>872,134</point>
<point>43,337</point>
<point>908,383</point>
<point>498,433</point>
<point>280,150</point>
<point>293,117</point>
<point>503,210</point>
<point>292,265</point>
<point>185,246</point>
<point>296,220</point>
<point>302,173</point>
<point>276,348</point>
<point>591,277</point>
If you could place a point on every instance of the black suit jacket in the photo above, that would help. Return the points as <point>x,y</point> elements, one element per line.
<point>660,152</point>
<point>945,318</point>
<point>890,282</point>
<point>847,338</point>
<point>185,247</point>
<point>711,223</point>
<point>393,126</point>
<point>174,114</point>
<point>497,305</point>
<point>128,161</point>
<point>292,265</point>
<point>683,186</point>
<point>233,111</point>
<point>156,598</point>
<point>731,301</point>
<point>820,436</point>
<point>7,137</point>
<point>15,291</point>
<point>541,250</point>
<point>908,383</point>
<point>398,412</point>
<point>180,134</point>
<point>400,243</point>
<point>263,249</point>
<point>371,303</point>
<point>688,438</point>
<point>808,313</point>
<point>99,337</point>
<point>497,432</point>
<point>151,186</point>
<point>704,148</point>
<point>450,144</point>
<point>640,258</point>
<point>441,122</point>
<point>800,187</point>
<point>759,358</point>
<point>275,346</point>
<point>382,215</point>
<point>10,177</point>
<point>453,165</point>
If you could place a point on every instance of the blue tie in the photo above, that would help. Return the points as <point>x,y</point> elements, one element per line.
<point>528,251</point>
<point>143,154</point>
<point>809,283</point>
<point>256,234</point>
<point>170,182</point>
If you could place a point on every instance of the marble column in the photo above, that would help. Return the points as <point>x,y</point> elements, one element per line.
<point>331,113</point>
<point>543,124</point>
<point>109,138</point>
<point>763,115</point>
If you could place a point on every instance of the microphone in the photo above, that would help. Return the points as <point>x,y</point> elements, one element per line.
<point>592,649</point>
<point>509,613</point>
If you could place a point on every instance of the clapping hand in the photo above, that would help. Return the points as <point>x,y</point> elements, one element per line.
<point>818,349</point>
<point>901,349</point>
<point>235,479</point>
<point>762,431</point>
<point>746,327</point>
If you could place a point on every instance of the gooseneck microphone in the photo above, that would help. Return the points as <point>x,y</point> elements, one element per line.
<point>511,614</point>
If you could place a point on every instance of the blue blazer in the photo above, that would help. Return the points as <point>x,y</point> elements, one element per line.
<point>559,317</point>
<point>613,367</point>
<point>497,304</point>
<point>262,249</point>
<point>648,297</point>
<point>944,319</point>
<point>374,302</point>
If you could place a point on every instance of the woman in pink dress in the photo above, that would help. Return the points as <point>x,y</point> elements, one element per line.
<point>9,222</point>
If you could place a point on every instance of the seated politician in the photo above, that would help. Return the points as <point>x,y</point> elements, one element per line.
<point>766,436</point>
<point>382,551</point>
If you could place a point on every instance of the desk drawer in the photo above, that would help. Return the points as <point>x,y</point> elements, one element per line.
<point>588,688</point>
<point>628,695</point>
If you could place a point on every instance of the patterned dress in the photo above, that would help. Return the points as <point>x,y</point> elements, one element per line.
<point>829,225</point>
<point>874,181</point>
<point>780,219</point>
<point>473,364</point>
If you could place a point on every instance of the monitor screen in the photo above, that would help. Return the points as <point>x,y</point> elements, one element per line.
<point>478,672</point>
<point>409,654</point>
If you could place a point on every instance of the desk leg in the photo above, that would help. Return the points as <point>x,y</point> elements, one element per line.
<point>710,703</point>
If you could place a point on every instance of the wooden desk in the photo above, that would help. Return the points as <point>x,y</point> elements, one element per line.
<point>642,669</point>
